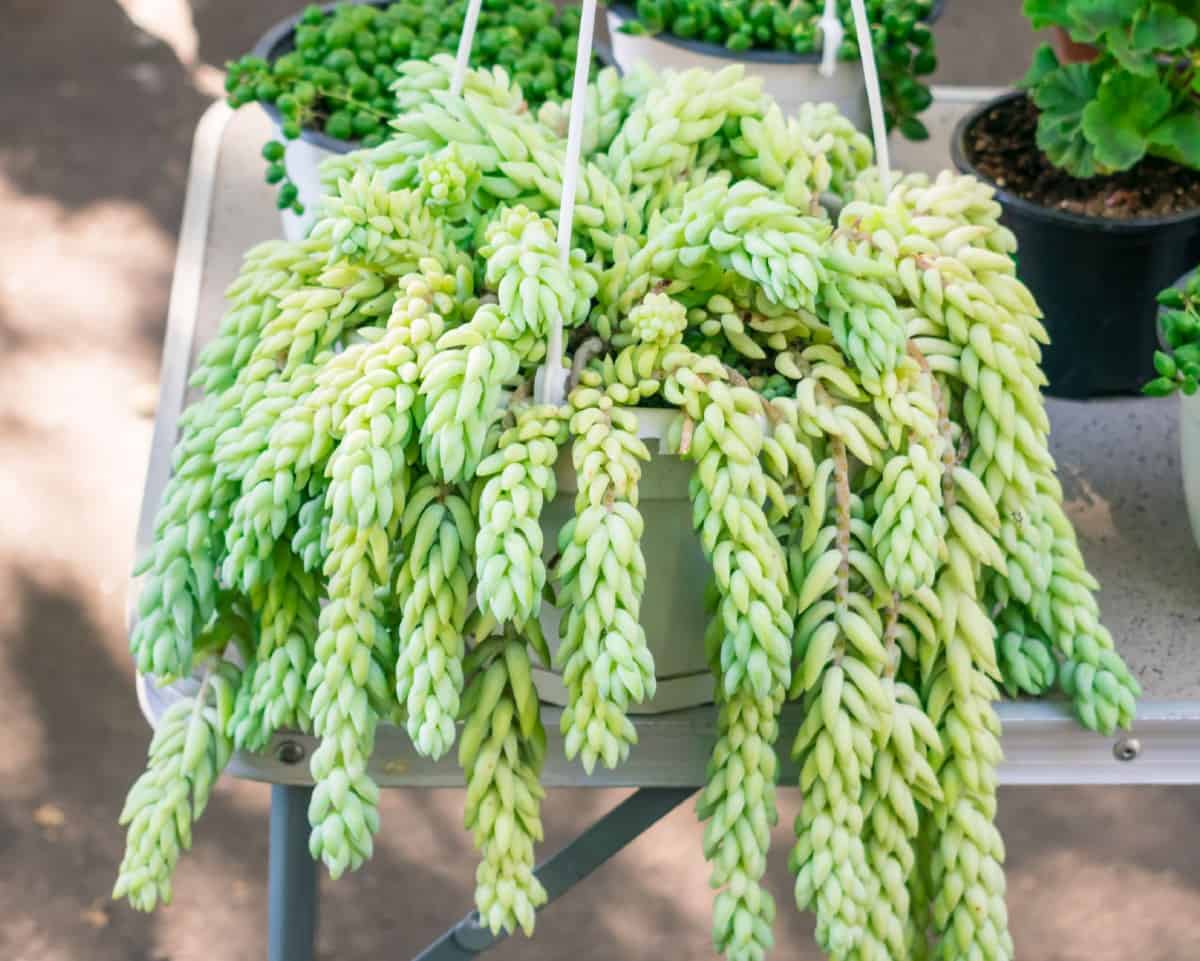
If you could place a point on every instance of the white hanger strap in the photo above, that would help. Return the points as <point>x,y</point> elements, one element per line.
<point>866,54</point>
<point>465,41</point>
<point>832,33</point>
<point>552,379</point>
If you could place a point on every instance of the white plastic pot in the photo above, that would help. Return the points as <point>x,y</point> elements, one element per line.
<point>302,157</point>
<point>1189,434</point>
<point>791,78</point>
<point>1189,456</point>
<point>677,573</point>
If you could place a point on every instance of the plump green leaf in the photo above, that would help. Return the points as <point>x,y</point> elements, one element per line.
<point>1187,357</point>
<point>1045,62</point>
<point>1178,326</point>
<point>1159,387</point>
<point>1171,297</point>
<point>1178,138</point>
<point>1162,27</point>
<point>1048,13</point>
<point>1164,364</point>
<point>1061,97</point>
<point>1119,121</point>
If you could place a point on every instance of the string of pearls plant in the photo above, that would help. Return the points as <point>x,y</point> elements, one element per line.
<point>353,533</point>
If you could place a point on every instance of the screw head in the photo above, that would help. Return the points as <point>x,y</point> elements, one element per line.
<point>290,752</point>
<point>1127,749</point>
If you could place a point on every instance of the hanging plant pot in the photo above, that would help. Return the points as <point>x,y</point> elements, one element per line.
<point>790,78</point>
<point>304,155</point>
<point>1094,276</point>
<point>1189,437</point>
<point>1189,456</point>
<point>673,613</point>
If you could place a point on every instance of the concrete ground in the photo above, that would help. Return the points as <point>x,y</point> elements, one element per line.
<point>97,106</point>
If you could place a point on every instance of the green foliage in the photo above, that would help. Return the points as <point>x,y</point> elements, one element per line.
<point>189,751</point>
<point>1138,97</point>
<point>359,503</point>
<point>1178,368</point>
<point>903,44</point>
<point>337,79</point>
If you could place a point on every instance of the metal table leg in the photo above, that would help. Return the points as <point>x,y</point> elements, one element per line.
<point>291,879</point>
<point>563,870</point>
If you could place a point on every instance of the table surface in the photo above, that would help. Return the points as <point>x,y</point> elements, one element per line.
<point>1118,460</point>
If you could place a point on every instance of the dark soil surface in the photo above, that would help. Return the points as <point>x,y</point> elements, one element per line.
<point>1002,146</point>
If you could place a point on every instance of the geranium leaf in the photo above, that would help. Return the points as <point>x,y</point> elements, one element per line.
<point>1120,45</point>
<point>1091,18</point>
<point>1162,27</point>
<point>1178,138</point>
<point>1118,122</point>
<point>1061,97</point>
<point>1045,62</point>
<point>1048,13</point>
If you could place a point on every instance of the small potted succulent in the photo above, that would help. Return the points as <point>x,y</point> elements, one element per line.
<point>1178,369</point>
<point>1097,165</point>
<point>781,43</point>
<point>324,75</point>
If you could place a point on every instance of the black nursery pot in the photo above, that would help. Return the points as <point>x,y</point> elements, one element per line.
<point>1096,282</point>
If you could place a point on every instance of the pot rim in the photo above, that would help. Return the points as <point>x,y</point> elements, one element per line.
<point>1061,218</point>
<point>715,50</point>
<point>269,49</point>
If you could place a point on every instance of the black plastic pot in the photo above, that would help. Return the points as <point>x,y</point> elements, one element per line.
<point>627,12</point>
<point>1095,280</point>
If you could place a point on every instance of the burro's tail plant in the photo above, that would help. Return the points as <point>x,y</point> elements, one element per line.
<point>1138,97</point>
<point>356,531</point>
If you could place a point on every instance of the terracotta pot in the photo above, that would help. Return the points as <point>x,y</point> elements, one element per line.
<point>1068,50</point>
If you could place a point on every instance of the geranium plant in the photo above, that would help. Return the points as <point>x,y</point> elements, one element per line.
<point>1139,96</point>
